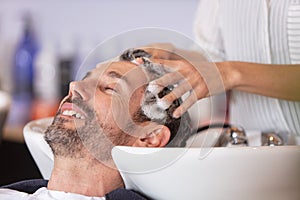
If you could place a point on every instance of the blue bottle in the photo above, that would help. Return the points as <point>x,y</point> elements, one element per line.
<point>23,75</point>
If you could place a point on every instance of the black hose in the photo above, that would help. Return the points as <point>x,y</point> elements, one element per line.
<point>214,125</point>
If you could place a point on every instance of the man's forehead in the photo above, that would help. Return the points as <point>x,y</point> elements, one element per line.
<point>121,66</point>
<point>130,72</point>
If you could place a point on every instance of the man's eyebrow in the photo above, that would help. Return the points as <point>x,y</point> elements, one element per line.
<point>86,75</point>
<point>114,74</point>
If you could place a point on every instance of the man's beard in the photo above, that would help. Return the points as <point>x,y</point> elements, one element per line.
<point>94,137</point>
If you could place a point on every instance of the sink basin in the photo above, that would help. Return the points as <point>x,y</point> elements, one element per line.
<point>254,172</point>
<point>38,147</point>
<point>211,173</point>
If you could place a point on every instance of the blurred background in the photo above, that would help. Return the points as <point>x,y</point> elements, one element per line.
<point>43,43</point>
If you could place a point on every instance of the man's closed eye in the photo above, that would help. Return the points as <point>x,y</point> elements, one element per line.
<point>109,90</point>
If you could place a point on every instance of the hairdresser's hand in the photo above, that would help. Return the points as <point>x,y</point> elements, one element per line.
<point>201,79</point>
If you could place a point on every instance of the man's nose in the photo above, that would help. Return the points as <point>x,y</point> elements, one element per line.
<point>79,89</point>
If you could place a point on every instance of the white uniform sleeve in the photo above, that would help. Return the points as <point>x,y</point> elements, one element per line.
<point>207,29</point>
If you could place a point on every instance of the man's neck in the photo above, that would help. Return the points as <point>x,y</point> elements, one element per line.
<point>82,177</point>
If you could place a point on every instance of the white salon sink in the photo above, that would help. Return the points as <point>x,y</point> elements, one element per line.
<point>233,173</point>
<point>195,173</point>
<point>38,147</point>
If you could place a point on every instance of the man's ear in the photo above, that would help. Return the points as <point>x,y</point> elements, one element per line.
<point>159,137</point>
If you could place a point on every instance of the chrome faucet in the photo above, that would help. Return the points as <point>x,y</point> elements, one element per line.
<point>271,139</point>
<point>236,136</point>
<point>232,136</point>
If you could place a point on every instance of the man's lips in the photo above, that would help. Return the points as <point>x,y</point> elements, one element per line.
<point>72,110</point>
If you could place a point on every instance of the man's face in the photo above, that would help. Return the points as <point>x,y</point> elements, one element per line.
<point>97,111</point>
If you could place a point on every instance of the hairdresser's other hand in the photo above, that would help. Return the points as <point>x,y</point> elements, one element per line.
<point>200,79</point>
<point>162,51</point>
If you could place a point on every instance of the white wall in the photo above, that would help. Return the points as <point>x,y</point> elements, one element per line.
<point>98,18</point>
<point>92,20</point>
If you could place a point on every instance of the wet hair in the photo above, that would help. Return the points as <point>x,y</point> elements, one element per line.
<point>180,128</point>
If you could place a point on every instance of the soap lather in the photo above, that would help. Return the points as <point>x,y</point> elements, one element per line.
<point>153,106</point>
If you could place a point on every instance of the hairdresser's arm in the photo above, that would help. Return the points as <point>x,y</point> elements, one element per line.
<point>279,81</point>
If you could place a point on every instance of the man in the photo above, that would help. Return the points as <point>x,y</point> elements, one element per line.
<point>109,106</point>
